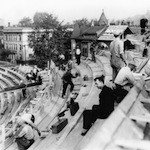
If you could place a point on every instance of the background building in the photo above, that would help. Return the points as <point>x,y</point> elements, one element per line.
<point>85,35</point>
<point>16,39</point>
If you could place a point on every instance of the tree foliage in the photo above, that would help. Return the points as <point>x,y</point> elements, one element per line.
<point>4,53</point>
<point>95,22</point>
<point>25,22</point>
<point>112,22</point>
<point>43,20</point>
<point>49,38</point>
<point>81,22</point>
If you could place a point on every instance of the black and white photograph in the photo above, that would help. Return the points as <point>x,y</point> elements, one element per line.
<point>75,75</point>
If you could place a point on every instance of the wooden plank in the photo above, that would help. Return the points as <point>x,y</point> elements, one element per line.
<point>128,129</point>
<point>131,97</point>
<point>49,119</point>
<point>142,65</point>
<point>89,134</point>
<point>138,109</point>
<point>104,135</point>
<point>142,118</point>
<point>133,143</point>
<point>8,142</point>
<point>143,99</point>
<point>71,125</point>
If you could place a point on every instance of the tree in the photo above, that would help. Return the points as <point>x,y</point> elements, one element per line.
<point>4,53</point>
<point>49,38</point>
<point>112,22</point>
<point>25,22</point>
<point>95,22</point>
<point>45,21</point>
<point>118,22</point>
<point>81,22</point>
<point>123,22</point>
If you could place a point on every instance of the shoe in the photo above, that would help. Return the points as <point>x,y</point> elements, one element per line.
<point>84,132</point>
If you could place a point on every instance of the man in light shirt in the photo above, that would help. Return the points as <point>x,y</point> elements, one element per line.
<point>30,119</point>
<point>117,59</point>
<point>124,78</point>
<point>78,55</point>
<point>23,134</point>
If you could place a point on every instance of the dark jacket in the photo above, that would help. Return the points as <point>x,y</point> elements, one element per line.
<point>106,103</point>
<point>67,77</point>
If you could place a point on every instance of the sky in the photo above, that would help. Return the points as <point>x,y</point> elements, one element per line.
<point>68,10</point>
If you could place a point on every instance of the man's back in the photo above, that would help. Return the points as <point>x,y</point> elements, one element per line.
<point>116,46</point>
<point>67,77</point>
<point>116,49</point>
<point>124,76</point>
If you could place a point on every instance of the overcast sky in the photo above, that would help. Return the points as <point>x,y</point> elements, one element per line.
<point>68,10</point>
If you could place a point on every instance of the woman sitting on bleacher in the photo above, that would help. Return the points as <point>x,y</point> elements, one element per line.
<point>101,111</point>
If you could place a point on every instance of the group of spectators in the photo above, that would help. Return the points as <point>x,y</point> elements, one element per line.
<point>34,76</point>
<point>64,60</point>
<point>121,76</point>
<point>122,69</point>
<point>122,80</point>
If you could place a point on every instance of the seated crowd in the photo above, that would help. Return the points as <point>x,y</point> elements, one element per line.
<point>33,75</point>
<point>108,97</point>
<point>24,126</point>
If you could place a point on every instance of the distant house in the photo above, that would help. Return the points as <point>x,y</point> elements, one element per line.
<point>134,43</point>
<point>16,39</point>
<point>133,30</point>
<point>108,35</point>
<point>85,35</point>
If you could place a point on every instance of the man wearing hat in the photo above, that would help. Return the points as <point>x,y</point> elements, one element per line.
<point>24,134</point>
<point>124,78</point>
<point>117,59</point>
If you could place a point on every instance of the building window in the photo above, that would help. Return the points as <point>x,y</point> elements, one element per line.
<point>6,38</point>
<point>15,46</point>
<point>19,37</point>
<point>20,47</point>
<point>15,38</point>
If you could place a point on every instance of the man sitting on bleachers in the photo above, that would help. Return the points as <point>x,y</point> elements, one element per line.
<point>124,81</point>
<point>24,134</point>
<point>101,111</point>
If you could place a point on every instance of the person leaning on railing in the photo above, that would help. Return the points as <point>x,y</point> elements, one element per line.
<point>125,80</point>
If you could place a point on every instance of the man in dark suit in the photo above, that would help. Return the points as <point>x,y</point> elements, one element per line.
<point>101,111</point>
